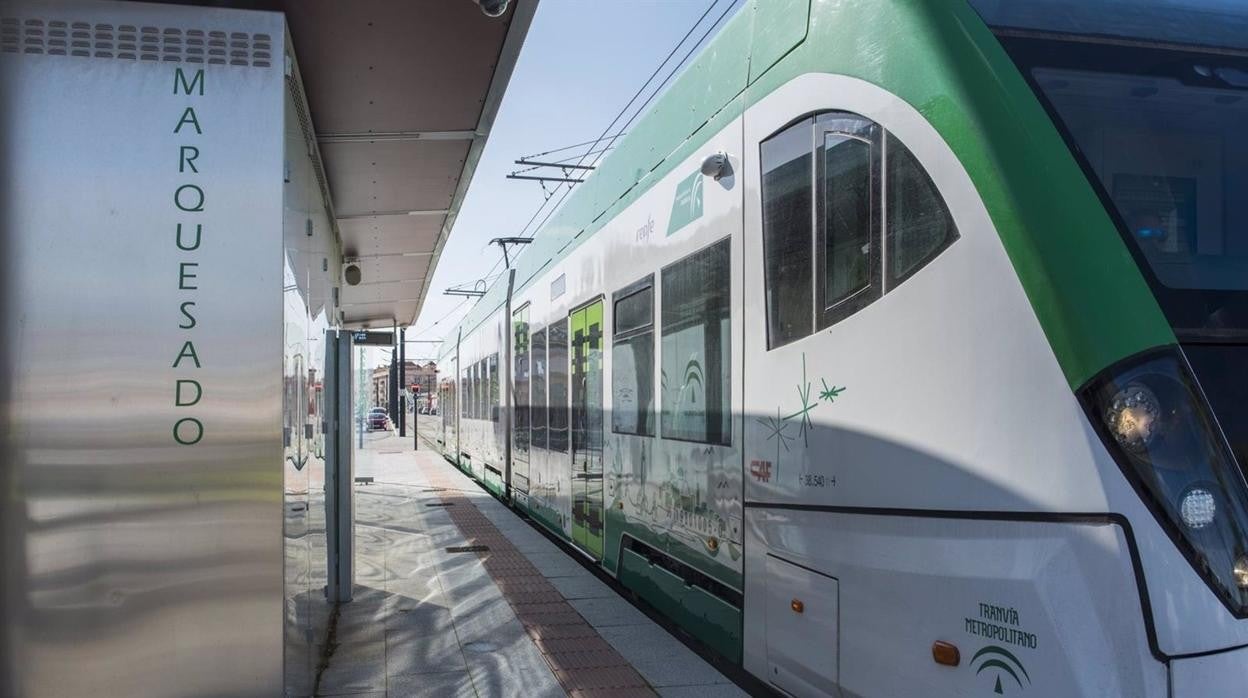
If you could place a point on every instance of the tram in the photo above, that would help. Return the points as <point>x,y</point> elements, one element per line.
<point>899,350</point>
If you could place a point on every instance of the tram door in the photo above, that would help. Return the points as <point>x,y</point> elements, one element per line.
<point>586,330</point>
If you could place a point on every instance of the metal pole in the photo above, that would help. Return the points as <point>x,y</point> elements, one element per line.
<point>416,424</point>
<point>361,402</point>
<point>402,382</point>
<point>394,387</point>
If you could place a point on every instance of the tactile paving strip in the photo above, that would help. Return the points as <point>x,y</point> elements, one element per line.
<point>586,665</point>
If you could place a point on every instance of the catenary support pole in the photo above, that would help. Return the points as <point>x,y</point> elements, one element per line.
<point>393,388</point>
<point>403,382</point>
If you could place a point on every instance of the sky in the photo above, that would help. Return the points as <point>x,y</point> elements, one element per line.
<point>580,64</point>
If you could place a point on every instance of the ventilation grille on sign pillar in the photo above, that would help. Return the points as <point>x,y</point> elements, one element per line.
<point>134,43</point>
<point>294,84</point>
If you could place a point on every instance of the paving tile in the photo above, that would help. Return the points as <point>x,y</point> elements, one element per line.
<point>569,617</point>
<point>524,585</point>
<point>583,587</point>
<point>452,684</point>
<point>571,644</point>
<point>661,658</point>
<point>546,632</point>
<point>585,659</point>
<point>485,621</point>
<point>426,618</point>
<point>406,593</point>
<point>614,693</point>
<point>357,667</point>
<point>469,589</point>
<point>412,652</point>
<point>522,598</point>
<point>533,542</point>
<point>609,611</point>
<point>512,668</point>
<point>722,690</point>
<point>600,677</point>
<point>556,564</point>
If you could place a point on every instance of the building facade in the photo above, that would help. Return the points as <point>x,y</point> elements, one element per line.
<point>425,376</point>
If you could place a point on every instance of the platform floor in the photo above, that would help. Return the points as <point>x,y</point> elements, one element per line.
<point>519,619</point>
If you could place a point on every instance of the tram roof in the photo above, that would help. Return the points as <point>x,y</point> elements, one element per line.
<point>402,96</point>
<point>695,105</point>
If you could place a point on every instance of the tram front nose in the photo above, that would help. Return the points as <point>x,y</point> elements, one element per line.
<point>1220,675</point>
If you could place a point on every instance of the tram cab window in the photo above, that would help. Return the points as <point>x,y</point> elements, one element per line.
<point>847,253</point>
<point>787,186</point>
<point>537,403</point>
<point>919,224</point>
<point>632,359</point>
<point>832,169</point>
<point>696,347</point>
<point>558,410</point>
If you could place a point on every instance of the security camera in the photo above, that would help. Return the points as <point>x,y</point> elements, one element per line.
<point>493,8</point>
<point>351,274</point>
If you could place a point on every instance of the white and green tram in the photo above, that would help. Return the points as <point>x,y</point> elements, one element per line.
<point>901,349</point>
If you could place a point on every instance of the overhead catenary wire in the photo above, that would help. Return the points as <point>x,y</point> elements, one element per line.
<point>567,188</point>
<point>633,99</point>
<point>671,74</point>
<point>447,315</point>
<point>559,161</point>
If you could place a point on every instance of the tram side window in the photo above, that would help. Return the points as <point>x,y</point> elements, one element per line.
<point>446,402</point>
<point>919,224</point>
<point>486,379</point>
<point>697,347</point>
<point>477,401</point>
<point>848,254</point>
<point>537,410</point>
<point>465,394</point>
<point>494,387</point>
<point>787,186</point>
<point>483,411</point>
<point>478,382</point>
<point>475,385</point>
<point>558,409</point>
<point>632,359</point>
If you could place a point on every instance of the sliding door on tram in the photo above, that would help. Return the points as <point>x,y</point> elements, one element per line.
<point>586,330</point>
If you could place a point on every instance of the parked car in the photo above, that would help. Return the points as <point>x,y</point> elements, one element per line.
<point>378,419</point>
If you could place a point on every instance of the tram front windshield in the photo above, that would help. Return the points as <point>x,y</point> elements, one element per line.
<point>1152,96</point>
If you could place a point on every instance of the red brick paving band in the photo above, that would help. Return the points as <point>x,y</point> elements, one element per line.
<point>584,663</point>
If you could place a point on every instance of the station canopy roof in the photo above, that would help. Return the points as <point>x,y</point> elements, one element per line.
<point>402,94</point>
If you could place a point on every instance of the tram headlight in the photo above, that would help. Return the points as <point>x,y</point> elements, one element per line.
<point>1198,508</point>
<point>1154,419</point>
<point>1241,571</point>
<point>1134,417</point>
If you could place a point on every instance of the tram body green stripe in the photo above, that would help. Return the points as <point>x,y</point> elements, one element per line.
<point>1090,298</point>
